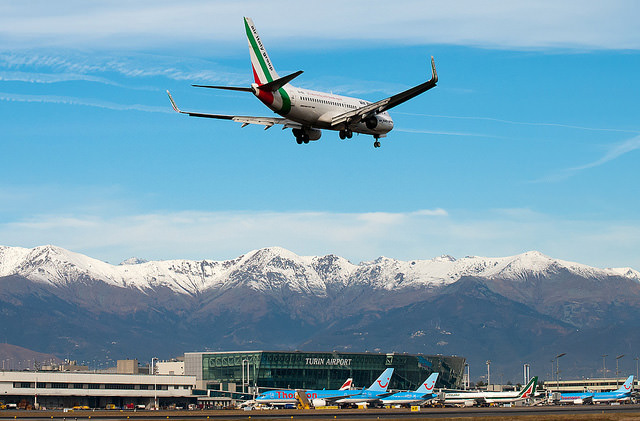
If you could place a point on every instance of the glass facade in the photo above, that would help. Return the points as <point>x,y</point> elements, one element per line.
<point>319,370</point>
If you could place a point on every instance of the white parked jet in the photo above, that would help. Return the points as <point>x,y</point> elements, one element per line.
<point>470,398</point>
<point>308,112</point>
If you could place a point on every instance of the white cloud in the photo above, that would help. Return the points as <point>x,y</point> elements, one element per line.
<point>54,99</point>
<point>588,24</point>
<point>358,236</point>
<point>37,67</point>
<point>614,152</point>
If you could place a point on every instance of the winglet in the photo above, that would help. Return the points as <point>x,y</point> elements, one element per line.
<point>434,74</point>
<point>173,103</point>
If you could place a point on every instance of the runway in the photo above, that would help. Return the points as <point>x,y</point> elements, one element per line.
<point>538,412</point>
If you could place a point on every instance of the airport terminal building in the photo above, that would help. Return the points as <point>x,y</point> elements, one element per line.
<point>256,371</point>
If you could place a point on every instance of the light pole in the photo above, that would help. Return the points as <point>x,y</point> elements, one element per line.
<point>636,358</point>
<point>558,368</point>
<point>526,373</point>
<point>245,362</point>
<point>467,379</point>
<point>155,384</point>
<point>488,373</point>
<point>604,369</point>
<point>618,359</point>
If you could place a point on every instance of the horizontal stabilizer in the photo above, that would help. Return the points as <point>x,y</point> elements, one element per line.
<point>279,83</point>
<point>228,88</point>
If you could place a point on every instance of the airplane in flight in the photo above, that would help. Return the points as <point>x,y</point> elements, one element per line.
<point>470,398</point>
<point>309,112</point>
<point>580,398</point>
<point>419,396</point>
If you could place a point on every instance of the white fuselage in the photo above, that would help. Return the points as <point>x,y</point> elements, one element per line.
<point>317,109</point>
<point>457,398</point>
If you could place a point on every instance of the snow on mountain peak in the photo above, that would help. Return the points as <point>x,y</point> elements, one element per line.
<point>277,269</point>
<point>133,261</point>
<point>626,272</point>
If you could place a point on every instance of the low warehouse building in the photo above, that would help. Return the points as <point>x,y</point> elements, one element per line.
<point>69,389</point>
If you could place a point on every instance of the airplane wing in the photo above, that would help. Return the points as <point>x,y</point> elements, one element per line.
<point>267,122</point>
<point>362,113</point>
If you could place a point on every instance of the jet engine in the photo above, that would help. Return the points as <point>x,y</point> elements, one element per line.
<point>314,134</point>
<point>318,402</point>
<point>371,122</point>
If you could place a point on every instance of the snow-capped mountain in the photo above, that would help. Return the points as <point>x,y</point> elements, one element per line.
<point>271,268</point>
<point>517,307</point>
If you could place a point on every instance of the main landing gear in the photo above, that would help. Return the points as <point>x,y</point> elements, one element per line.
<point>301,136</point>
<point>376,143</point>
<point>346,134</point>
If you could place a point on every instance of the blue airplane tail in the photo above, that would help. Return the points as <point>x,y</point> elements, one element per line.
<point>627,386</point>
<point>382,383</point>
<point>429,384</point>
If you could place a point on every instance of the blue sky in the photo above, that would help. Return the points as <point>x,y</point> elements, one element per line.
<point>530,141</point>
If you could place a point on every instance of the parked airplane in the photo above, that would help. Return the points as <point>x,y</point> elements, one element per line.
<point>421,395</point>
<point>309,112</point>
<point>621,394</point>
<point>580,398</point>
<point>373,393</point>
<point>315,397</point>
<point>347,385</point>
<point>470,398</point>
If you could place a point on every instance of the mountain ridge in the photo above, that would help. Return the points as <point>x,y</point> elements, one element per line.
<point>51,264</point>
<point>518,308</point>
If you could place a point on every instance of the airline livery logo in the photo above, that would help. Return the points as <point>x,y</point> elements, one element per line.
<point>383,385</point>
<point>626,387</point>
<point>429,385</point>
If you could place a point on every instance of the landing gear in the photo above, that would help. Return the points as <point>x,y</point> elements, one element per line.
<point>376,143</point>
<point>301,136</point>
<point>346,134</point>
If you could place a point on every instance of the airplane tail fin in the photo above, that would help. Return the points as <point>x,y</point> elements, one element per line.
<point>530,389</point>
<point>429,384</point>
<point>347,384</point>
<point>627,386</point>
<point>382,383</point>
<point>263,70</point>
